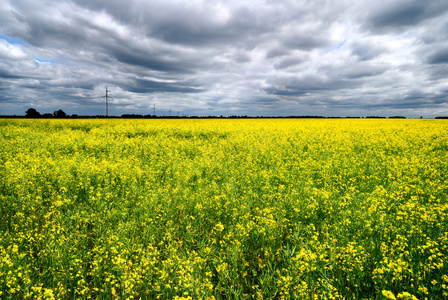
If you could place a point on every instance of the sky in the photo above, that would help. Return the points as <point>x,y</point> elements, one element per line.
<point>202,57</point>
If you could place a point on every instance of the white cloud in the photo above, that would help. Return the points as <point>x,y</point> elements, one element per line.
<point>11,52</point>
<point>212,58</point>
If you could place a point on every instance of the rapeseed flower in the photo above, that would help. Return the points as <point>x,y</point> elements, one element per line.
<point>213,209</point>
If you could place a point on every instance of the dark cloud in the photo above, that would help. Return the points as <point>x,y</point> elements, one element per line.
<point>298,86</point>
<point>399,13</point>
<point>151,86</point>
<point>276,52</point>
<point>305,41</point>
<point>7,74</point>
<point>361,70</point>
<point>288,62</point>
<point>148,60</point>
<point>366,50</point>
<point>391,15</point>
<point>438,56</point>
<point>203,57</point>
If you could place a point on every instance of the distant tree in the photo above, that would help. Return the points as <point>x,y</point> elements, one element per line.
<point>32,113</point>
<point>59,114</point>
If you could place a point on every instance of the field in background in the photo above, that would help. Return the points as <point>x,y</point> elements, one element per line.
<point>224,209</point>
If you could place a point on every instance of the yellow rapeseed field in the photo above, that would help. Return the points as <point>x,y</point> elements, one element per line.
<point>224,209</point>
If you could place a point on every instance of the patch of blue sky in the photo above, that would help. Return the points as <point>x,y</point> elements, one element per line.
<point>40,60</point>
<point>12,41</point>
<point>334,48</point>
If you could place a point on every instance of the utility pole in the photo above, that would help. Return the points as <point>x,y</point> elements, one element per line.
<point>154,110</point>
<point>107,101</point>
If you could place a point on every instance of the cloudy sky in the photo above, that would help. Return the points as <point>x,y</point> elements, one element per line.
<point>203,57</point>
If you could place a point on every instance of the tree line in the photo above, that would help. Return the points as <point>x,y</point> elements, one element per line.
<point>33,113</point>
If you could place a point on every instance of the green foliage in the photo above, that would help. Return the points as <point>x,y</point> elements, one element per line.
<point>223,209</point>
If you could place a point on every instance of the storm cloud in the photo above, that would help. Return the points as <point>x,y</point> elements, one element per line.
<point>256,58</point>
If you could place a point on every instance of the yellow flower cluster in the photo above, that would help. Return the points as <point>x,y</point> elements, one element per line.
<point>223,209</point>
